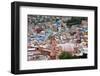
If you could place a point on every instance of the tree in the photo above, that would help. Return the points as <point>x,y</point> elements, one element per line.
<point>75,21</point>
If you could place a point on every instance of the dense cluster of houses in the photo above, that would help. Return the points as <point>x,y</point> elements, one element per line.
<point>49,36</point>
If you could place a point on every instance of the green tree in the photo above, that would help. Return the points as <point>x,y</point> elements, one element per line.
<point>75,21</point>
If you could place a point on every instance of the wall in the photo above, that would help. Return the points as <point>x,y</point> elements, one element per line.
<point>5,41</point>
